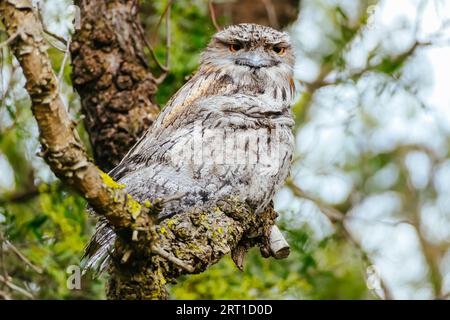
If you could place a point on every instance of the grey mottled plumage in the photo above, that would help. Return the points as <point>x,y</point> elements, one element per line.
<point>226,132</point>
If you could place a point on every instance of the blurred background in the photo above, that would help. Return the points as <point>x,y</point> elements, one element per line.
<point>367,207</point>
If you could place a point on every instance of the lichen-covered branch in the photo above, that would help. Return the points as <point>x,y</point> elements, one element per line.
<point>146,255</point>
<point>112,77</point>
<point>61,145</point>
<point>185,243</point>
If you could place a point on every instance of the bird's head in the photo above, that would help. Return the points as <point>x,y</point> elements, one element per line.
<point>251,48</point>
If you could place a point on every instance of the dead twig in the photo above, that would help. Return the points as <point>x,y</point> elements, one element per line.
<point>166,255</point>
<point>212,14</point>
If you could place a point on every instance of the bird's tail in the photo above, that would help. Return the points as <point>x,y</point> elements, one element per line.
<point>97,254</point>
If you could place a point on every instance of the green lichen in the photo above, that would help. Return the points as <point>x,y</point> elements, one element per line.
<point>109,182</point>
<point>182,233</point>
<point>147,204</point>
<point>133,207</point>
<point>195,248</point>
<point>170,223</point>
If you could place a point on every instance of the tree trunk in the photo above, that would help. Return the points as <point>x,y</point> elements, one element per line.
<point>112,77</point>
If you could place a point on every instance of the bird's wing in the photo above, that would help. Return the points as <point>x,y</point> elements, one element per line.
<point>181,108</point>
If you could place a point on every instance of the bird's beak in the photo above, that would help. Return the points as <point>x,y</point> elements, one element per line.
<point>255,59</point>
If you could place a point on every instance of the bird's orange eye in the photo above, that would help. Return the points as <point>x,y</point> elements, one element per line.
<point>279,50</point>
<point>235,47</point>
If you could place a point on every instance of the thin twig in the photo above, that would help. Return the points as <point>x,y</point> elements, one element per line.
<point>10,39</point>
<point>164,68</point>
<point>340,219</point>
<point>212,14</point>
<point>22,257</point>
<point>332,213</point>
<point>44,28</point>
<point>2,254</point>
<point>178,262</point>
<point>161,78</point>
<point>57,37</point>
<point>150,47</point>
<point>368,261</point>
<point>154,38</point>
<point>271,13</point>
<point>20,196</point>
<point>15,287</point>
<point>66,55</point>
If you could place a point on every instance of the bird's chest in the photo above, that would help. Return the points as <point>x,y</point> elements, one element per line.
<point>243,159</point>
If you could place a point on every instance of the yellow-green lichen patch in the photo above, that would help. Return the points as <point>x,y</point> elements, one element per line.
<point>147,204</point>
<point>163,230</point>
<point>182,233</point>
<point>170,223</point>
<point>162,279</point>
<point>133,207</point>
<point>195,248</point>
<point>109,182</point>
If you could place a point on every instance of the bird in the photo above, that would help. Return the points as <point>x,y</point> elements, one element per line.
<point>226,132</point>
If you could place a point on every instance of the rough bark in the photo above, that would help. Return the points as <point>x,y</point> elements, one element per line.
<point>147,255</point>
<point>112,77</point>
<point>185,244</point>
